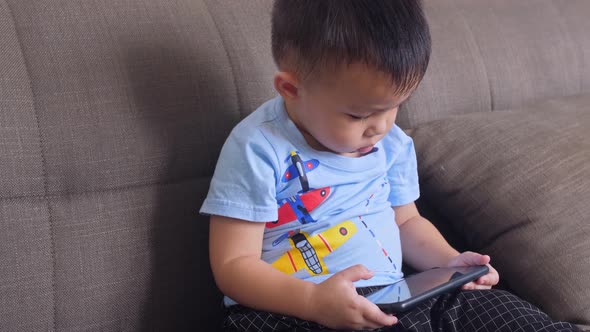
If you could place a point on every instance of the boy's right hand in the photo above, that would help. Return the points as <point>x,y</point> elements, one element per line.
<point>336,304</point>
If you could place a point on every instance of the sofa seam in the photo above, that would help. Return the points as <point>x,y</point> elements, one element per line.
<point>43,164</point>
<point>103,190</point>
<point>577,48</point>
<point>229,59</point>
<point>478,48</point>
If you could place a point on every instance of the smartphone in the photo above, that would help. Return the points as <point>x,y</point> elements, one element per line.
<point>409,292</point>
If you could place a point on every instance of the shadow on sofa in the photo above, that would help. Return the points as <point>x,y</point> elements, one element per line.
<point>182,293</point>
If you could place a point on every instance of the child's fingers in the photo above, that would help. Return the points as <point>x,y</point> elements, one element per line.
<point>356,273</point>
<point>485,282</point>
<point>469,258</point>
<point>490,279</point>
<point>472,258</point>
<point>468,286</point>
<point>482,287</point>
<point>375,321</point>
<point>377,318</point>
<point>474,286</point>
<point>485,259</point>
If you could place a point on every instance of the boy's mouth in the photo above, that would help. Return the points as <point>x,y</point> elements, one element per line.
<point>365,149</point>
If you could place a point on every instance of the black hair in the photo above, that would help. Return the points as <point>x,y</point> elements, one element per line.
<point>391,36</point>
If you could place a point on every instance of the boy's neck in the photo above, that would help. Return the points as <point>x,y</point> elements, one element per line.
<point>311,141</point>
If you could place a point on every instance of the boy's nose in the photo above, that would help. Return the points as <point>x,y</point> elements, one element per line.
<point>376,128</point>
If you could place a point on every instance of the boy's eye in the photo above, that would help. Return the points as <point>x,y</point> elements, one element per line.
<point>356,117</point>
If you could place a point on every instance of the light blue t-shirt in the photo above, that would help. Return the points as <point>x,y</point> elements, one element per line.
<point>324,212</point>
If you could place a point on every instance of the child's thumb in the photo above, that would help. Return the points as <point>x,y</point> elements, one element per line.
<point>356,273</point>
<point>473,258</point>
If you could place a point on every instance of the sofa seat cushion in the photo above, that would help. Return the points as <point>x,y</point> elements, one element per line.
<point>516,185</point>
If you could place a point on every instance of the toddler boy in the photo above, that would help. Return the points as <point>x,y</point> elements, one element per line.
<point>313,195</point>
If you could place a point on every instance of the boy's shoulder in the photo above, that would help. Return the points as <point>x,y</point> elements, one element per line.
<point>397,137</point>
<point>265,114</point>
<point>398,146</point>
<point>259,133</point>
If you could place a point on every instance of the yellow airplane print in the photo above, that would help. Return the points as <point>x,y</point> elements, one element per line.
<point>308,251</point>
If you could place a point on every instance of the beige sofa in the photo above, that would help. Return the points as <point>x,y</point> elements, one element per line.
<point>112,115</point>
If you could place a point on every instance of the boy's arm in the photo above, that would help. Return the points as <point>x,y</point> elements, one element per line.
<point>424,247</point>
<point>234,249</point>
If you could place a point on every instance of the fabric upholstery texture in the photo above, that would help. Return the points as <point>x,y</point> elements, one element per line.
<point>112,115</point>
<point>493,55</point>
<point>110,131</point>
<point>26,264</point>
<point>516,185</point>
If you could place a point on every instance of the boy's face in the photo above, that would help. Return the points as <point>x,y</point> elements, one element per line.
<point>346,113</point>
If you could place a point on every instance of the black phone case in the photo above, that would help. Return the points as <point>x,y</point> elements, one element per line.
<point>455,282</point>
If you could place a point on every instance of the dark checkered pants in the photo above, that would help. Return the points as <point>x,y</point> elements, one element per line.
<point>469,311</point>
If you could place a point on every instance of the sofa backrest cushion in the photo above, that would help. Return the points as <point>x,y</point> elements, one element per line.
<point>113,114</point>
<point>502,54</point>
<point>516,185</point>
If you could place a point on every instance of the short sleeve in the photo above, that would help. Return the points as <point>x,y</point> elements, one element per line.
<point>244,182</point>
<point>403,173</point>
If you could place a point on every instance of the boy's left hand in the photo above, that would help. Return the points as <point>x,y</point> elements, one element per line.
<point>469,258</point>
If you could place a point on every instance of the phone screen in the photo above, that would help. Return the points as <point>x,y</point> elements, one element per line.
<point>391,293</point>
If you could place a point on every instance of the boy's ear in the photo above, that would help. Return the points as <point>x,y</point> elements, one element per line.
<point>286,84</point>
